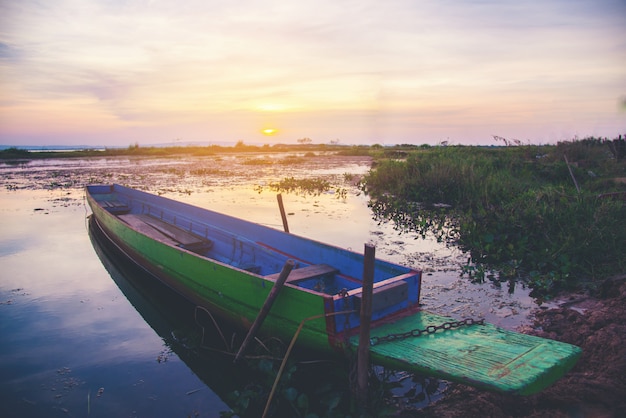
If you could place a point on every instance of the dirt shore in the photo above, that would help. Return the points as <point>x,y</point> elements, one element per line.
<point>594,388</point>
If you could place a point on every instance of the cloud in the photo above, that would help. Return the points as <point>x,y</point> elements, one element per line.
<point>8,53</point>
<point>149,63</point>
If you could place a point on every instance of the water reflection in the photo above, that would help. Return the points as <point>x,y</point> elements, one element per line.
<point>66,331</point>
<point>170,316</point>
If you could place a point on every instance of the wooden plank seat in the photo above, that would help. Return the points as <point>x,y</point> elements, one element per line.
<point>115,206</point>
<point>308,272</point>
<point>167,232</point>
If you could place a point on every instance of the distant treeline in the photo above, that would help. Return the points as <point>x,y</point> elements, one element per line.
<point>164,151</point>
<point>617,147</point>
<point>160,151</point>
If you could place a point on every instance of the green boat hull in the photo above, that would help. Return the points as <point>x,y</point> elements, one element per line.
<point>232,294</point>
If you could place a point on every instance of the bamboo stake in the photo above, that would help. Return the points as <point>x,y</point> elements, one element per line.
<point>291,344</point>
<point>265,310</point>
<point>363,356</point>
<point>571,174</point>
<point>282,212</point>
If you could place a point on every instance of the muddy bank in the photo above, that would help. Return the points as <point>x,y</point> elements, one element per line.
<point>596,387</point>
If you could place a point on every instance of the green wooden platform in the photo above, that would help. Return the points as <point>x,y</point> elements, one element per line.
<point>483,356</point>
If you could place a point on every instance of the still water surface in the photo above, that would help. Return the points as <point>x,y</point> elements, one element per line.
<point>81,334</point>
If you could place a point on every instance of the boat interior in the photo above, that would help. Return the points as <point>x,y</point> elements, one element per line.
<point>228,248</point>
<point>319,268</point>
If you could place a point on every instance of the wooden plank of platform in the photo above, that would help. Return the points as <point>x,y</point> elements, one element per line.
<point>477,355</point>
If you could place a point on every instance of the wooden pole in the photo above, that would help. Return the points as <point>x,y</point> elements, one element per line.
<point>363,355</point>
<point>266,307</point>
<point>282,212</point>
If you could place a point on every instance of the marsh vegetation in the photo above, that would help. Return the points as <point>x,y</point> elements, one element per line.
<point>551,216</point>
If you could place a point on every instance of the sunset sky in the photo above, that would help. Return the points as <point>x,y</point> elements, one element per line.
<point>117,72</point>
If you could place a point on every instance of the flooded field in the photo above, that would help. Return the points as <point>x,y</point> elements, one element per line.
<point>83,335</point>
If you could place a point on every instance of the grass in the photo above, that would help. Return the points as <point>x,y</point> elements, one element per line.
<point>305,187</point>
<point>515,209</point>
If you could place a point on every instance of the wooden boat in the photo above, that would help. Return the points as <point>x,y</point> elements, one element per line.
<point>229,266</point>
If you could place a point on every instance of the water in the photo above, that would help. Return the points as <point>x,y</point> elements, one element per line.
<point>81,334</point>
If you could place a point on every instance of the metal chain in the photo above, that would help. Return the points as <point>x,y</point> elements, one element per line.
<point>431,329</point>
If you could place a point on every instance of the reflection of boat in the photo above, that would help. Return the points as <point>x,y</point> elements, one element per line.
<point>171,317</point>
<point>229,266</point>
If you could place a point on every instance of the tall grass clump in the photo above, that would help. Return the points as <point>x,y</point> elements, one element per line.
<point>516,210</point>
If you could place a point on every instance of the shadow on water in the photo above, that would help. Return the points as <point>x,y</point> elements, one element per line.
<point>309,386</point>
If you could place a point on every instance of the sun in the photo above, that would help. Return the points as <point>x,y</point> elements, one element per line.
<point>269,131</point>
